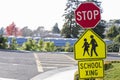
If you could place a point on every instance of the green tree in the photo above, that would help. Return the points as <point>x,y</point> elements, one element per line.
<point>100,29</point>
<point>55,29</point>
<point>119,30</point>
<point>117,21</point>
<point>112,33</point>
<point>66,31</point>
<point>117,42</point>
<point>2,31</point>
<point>70,28</point>
<point>39,31</point>
<point>117,39</point>
<point>26,32</point>
<point>70,25</point>
<point>3,42</point>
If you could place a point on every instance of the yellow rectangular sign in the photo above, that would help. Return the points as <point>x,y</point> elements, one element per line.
<point>91,69</point>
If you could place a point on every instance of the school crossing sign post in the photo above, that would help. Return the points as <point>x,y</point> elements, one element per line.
<point>89,49</point>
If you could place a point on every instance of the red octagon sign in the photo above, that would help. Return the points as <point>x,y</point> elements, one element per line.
<point>87,15</point>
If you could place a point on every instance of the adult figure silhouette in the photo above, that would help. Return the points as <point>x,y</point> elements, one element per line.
<point>85,46</point>
<point>94,45</point>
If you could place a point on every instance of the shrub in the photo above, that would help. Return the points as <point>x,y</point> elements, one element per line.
<point>107,65</point>
<point>109,48</point>
<point>40,45</point>
<point>113,48</point>
<point>45,46</point>
<point>13,44</point>
<point>29,45</point>
<point>68,47</point>
<point>59,49</point>
<point>52,46</point>
<point>49,46</point>
<point>3,42</point>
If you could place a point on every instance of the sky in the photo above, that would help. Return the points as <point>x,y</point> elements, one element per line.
<point>34,13</point>
<point>110,9</point>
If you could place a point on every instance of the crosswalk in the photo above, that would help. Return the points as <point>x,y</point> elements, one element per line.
<point>53,61</point>
<point>24,66</point>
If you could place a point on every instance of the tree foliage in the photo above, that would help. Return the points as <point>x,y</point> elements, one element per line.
<point>48,46</point>
<point>3,42</point>
<point>29,45</point>
<point>100,29</point>
<point>55,29</point>
<point>117,39</point>
<point>112,32</point>
<point>66,31</point>
<point>39,31</point>
<point>26,32</point>
<point>70,27</point>
<point>13,44</point>
<point>12,30</point>
<point>68,47</point>
<point>40,45</point>
<point>2,31</point>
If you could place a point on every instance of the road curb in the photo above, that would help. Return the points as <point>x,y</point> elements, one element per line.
<point>52,72</point>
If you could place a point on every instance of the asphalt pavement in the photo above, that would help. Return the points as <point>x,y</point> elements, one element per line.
<point>25,65</point>
<point>67,73</point>
<point>22,65</point>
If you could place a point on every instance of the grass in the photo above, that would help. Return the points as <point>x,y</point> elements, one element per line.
<point>113,73</point>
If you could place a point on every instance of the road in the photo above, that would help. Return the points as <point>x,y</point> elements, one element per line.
<point>17,65</point>
<point>20,65</point>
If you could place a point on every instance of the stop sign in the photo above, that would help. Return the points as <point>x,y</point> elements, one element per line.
<point>87,15</point>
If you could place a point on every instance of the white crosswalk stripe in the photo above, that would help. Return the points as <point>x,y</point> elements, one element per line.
<point>53,61</point>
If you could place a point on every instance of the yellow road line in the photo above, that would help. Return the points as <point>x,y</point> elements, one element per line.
<point>39,65</point>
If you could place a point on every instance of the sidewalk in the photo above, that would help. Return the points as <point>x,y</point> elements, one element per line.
<point>59,74</point>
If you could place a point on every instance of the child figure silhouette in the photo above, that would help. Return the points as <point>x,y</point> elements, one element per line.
<point>85,46</point>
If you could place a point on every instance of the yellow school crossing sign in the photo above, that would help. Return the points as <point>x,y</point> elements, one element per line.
<point>89,46</point>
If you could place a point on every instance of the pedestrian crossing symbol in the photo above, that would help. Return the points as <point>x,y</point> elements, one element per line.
<point>89,46</point>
